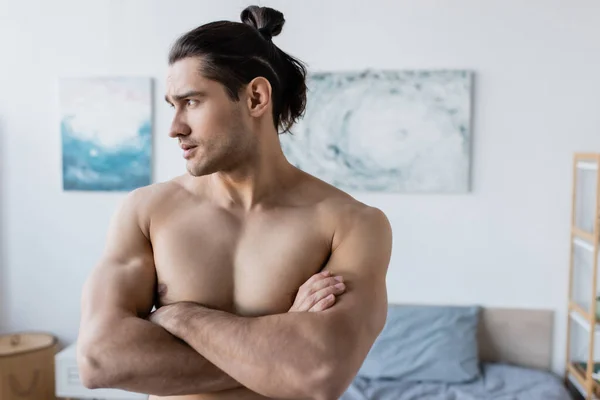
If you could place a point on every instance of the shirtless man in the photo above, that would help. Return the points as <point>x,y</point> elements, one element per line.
<point>235,253</point>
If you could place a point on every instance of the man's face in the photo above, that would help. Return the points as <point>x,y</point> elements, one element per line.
<point>212,130</point>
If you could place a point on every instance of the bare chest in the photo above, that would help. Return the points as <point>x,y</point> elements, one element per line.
<point>250,266</point>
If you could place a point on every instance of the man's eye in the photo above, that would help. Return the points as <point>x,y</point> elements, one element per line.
<point>191,102</point>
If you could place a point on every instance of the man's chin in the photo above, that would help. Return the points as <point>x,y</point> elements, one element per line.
<point>198,170</point>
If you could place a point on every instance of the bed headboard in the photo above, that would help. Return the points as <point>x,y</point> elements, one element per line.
<point>516,336</point>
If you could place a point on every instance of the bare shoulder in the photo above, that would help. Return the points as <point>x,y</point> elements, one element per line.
<point>346,215</point>
<point>359,221</point>
<point>146,196</point>
<point>145,201</point>
<point>360,237</point>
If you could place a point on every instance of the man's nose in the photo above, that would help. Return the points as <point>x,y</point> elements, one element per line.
<point>179,128</point>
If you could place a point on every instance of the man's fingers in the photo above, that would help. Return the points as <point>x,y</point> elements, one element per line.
<point>306,288</point>
<point>316,289</point>
<point>311,300</point>
<point>315,278</point>
<point>323,283</point>
<point>323,304</point>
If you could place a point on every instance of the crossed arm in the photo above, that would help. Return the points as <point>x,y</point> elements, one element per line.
<point>117,346</point>
<point>187,348</point>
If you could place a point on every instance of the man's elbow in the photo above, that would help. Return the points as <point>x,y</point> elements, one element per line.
<point>94,373</point>
<point>88,366</point>
<point>339,368</point>
<point>329,382</point>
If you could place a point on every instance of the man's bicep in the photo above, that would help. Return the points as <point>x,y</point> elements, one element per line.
<point>123,281</point>
<point>362,259</point>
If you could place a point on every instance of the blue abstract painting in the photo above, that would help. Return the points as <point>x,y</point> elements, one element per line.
<point>386,131</point>
<point>106,129</point>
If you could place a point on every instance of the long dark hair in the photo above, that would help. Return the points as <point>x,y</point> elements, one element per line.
<point>234,53</point>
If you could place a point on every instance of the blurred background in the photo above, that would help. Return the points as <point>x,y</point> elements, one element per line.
<point>504,242</point>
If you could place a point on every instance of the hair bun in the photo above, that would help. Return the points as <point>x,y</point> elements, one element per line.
<point>267,21</point>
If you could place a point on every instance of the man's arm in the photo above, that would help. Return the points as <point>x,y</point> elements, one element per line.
<point>117,347</point>
<point>301,355</point>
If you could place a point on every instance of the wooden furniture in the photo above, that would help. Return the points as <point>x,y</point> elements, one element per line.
<point>27,366</point>
<point>583,327</point>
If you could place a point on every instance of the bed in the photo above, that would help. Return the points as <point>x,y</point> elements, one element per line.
<point>513,356</point>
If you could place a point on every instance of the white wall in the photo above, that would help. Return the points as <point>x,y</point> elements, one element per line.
<point>3,283</point>
<point>504,244</point>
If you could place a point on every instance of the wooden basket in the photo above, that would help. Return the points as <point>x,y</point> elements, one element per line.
<point>27,366</point>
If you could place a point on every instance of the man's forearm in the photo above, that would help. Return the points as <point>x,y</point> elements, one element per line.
<point>277,355</point>
<point>136,355</point>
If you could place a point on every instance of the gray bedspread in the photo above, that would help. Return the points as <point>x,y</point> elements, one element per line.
<point>498,382</point>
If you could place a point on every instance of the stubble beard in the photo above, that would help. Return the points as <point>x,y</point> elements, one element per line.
<point>223,157</point>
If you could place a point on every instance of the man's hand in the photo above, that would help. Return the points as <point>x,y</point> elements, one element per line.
<point>318,293</point>
<point>169,315</point>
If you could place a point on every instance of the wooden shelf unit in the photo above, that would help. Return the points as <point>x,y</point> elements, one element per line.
<point>586,241</point>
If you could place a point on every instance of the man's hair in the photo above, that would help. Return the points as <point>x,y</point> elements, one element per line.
<point>234,53</point>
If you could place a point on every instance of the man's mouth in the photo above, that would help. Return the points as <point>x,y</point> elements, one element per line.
<point>187,150</point>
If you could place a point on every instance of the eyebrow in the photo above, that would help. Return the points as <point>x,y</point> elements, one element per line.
<point>191,93</point>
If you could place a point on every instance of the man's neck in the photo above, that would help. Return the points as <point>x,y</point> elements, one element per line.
<point>252,184</point>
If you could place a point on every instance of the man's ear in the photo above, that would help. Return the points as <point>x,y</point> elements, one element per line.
<point>258,94</point>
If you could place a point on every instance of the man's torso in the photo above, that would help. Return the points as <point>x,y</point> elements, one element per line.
<point>247,263</point>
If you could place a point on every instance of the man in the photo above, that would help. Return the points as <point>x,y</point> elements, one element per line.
<point>235,253</point>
